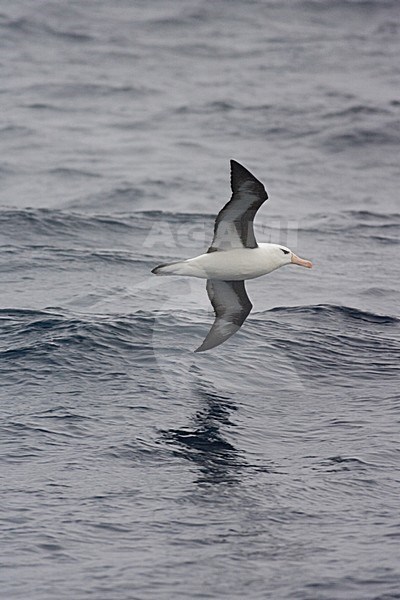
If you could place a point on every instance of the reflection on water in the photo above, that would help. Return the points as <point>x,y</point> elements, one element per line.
<point>203,442</point>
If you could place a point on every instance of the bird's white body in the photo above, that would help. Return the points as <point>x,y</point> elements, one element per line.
<point>231,265</point>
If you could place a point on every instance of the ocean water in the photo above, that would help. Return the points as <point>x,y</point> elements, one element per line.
<point>132,468</point>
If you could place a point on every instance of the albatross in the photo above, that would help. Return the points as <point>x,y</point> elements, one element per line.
<point>233,257</point>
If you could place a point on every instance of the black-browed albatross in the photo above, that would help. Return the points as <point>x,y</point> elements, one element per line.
<point>233,256</point>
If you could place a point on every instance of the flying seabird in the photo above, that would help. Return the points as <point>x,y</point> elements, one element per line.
<point>233,257</point>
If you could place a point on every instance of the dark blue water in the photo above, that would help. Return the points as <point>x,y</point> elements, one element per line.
<point>132,468</point>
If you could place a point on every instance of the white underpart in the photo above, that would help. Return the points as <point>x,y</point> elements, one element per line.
<point>231,265</point>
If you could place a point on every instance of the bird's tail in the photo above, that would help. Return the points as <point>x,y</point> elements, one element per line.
<point>174,268</point>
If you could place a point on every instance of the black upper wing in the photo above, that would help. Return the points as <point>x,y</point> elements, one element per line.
<point>234,224</point>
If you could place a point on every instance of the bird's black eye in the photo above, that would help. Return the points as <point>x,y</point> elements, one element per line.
<point>285,251</point>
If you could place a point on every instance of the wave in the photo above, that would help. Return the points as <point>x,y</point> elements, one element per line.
<point>23,225</point>
<point>325,340</point>
<point>348,4</point>
<point>33,27</point>
<point>44,224</point>
<point>60,223</point>
<point>53,317</point>
<point>345,312</point>
<point>58,216</point>
<point>54,342</point>
<point>371,224</point>
<point>68,90</point>
<point>386,134</point>
<point>357,109</point>
<point>339,343</point>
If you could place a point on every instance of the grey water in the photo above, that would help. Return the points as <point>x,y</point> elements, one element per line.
<point>132,468</point>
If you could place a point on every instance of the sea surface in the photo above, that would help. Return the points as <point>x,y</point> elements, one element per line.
<point>132,468</point>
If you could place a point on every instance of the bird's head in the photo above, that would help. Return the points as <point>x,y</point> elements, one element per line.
<point>284,256</point>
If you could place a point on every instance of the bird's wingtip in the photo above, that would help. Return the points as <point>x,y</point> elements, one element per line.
<point>206,345</point>
<point>200,349</point>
